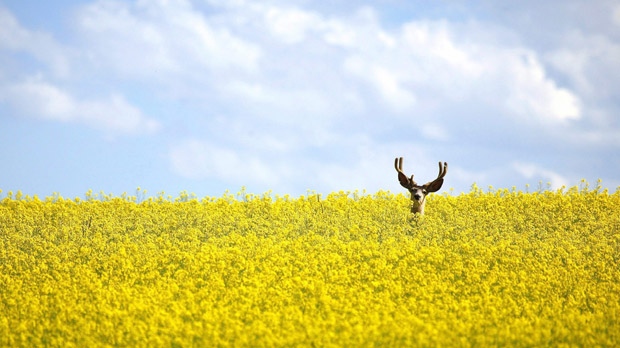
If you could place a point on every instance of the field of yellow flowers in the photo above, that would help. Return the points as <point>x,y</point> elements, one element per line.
<point>484,268</point>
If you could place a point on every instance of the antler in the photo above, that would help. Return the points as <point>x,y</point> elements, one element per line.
<point>435,185</point>
<point>402,177</point>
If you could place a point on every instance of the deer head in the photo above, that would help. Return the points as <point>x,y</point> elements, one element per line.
<point>419,192</point>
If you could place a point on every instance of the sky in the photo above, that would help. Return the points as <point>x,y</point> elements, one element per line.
<point>296,96</point>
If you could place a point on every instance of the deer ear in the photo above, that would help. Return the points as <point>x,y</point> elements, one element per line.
<point>434,186</point>
<point>404,180</point>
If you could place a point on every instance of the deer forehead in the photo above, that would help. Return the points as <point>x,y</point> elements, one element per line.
<point>418,189</point>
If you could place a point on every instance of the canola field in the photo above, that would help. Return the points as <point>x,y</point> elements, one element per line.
<point>484,268</point>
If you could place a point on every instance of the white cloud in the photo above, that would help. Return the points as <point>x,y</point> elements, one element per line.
<point>40,99</point>
<point>340,34</point>
<point>435,131</point>
<point>367,165</point>
<point>404,70</point>
<point>534,95</point>
<point>386,82</point>
<point>117,115</point>
<point>436,42</point>
<point>199,159</point>
<point>153,37</point>
<point>360,31</point>
<point>279,104</point>
<point>14,37</point>
<point>589,62</point>
<point>291,25</point>
<point>359,163</point>
<point>534,171</point>
<point>431,61</point>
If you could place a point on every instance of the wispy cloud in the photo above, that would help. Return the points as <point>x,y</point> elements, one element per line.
<point>147,39</point>
<point>37,98</point>
<point>39,45</point>
<point>546,176</point>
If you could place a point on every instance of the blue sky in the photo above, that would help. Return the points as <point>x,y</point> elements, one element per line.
<point>291,96</point>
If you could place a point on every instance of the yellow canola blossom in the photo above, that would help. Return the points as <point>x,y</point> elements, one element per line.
<point>496,268</point>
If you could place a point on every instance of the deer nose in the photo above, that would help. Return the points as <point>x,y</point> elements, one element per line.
<point>417,196</point>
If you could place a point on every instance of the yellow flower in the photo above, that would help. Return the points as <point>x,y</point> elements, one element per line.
<point>495,268</point>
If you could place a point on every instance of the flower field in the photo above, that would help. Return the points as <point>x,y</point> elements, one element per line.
<point>484,268</point>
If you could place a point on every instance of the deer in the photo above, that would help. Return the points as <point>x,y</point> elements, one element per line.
<point>419,192</point>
